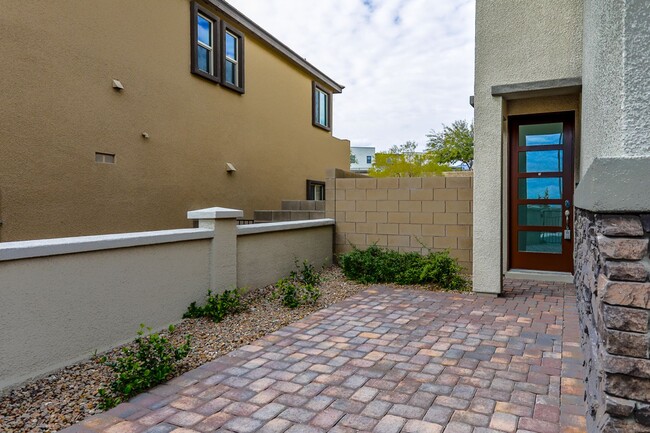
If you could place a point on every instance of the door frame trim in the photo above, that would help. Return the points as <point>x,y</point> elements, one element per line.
<point>569,116</point>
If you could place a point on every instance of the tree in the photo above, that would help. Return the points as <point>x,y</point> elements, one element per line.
<point>453,145</point>
<point>404,161</point>
<point>353,158</point>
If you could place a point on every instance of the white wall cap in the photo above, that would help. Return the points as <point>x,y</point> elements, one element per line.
<point>214,213</point>
<point>252,229</point>
<point>54,247</point>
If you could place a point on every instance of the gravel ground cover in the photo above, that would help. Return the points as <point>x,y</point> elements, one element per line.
<point>70,394</point>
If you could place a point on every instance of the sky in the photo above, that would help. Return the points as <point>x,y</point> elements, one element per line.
<point>407,65</point>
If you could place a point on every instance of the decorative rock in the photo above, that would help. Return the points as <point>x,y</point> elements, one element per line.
<point>622,248</point>
<point>626,271</point>
<point>642,414</point>
<point>619,225</point>
<point>645,220</point>
<point>626,343</point>
<point>626,294</point>
<point>626,319</point>
<point>623,365</point>
<point>628,387</point>
<point>618,406</point>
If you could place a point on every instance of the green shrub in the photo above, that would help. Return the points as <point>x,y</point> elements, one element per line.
<point>306,273</point>
<point>300,287</point>
<point>217,306</point>
<point>151,362</point>
<point>376,265</point>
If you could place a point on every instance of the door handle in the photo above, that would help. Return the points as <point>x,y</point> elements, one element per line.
<point>567,229</point>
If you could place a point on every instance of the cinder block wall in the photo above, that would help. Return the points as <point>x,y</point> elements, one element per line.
<point>405,214</point>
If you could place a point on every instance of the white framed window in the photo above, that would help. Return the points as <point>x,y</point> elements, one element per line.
<point>205,43</point>
<point>233,58</point>
<point>231,76</point>
<point>321,107</point>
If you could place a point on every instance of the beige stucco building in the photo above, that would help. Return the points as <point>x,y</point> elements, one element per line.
<point>197,86</point>
<point>541,65</point>
<point>562,174</point>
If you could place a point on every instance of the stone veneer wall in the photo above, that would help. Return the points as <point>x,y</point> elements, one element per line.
<point>405,214</point>
<point>612,266</point>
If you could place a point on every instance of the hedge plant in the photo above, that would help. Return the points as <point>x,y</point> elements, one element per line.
<point>378,265</point>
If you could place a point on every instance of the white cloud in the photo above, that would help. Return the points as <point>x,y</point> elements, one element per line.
<point>408,65</point>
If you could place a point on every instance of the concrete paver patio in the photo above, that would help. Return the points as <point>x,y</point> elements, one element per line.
<point>387,361</point>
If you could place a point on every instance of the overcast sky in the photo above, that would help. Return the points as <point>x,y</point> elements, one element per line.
<point>407,65</point>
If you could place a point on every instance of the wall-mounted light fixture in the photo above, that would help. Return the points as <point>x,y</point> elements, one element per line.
<point>117,85</point>
<point>145,135</point>
<point>230,168</point>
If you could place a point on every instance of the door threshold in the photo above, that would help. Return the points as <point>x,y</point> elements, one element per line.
<point>528,274</point>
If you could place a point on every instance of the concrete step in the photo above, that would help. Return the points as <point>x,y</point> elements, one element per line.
<point>287,215</point>
<point>309,205</point>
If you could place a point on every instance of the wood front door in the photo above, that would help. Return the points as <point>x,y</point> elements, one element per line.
<point>541,192</point>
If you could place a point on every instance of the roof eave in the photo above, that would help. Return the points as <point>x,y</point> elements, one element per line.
<point>271,40</point>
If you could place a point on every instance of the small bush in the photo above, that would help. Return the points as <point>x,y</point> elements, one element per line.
<point>376,265</point>
<point>300,287</point>
<point>217,306</point>
<point>151,362</point>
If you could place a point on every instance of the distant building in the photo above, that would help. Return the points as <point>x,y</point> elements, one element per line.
<point>365,157</point>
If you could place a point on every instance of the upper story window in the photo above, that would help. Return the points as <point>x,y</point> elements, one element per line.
<point>205,48</point>
<point>368,159</point>
<point>217,49</point>
<point>321,107</point>
<point>233,59</point>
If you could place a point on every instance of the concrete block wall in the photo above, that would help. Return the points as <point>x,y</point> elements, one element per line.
<point>405,214</point>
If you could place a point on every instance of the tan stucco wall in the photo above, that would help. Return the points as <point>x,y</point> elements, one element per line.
<point>58,109</point>
<point>516,42</point>
<point>264,258</point>
<point>404,214</point>
<point>56,310</point>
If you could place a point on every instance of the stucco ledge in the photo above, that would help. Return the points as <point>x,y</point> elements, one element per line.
<point>615,185</point>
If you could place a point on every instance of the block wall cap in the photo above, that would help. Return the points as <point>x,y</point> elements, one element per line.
<point>252,229</point>
<point>214,213</point>
<point>55,247</point>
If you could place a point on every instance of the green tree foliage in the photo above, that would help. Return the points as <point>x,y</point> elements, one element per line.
<point>405,161</point>
<point>453,145</point>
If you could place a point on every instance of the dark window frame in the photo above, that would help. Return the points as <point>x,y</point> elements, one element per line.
<point>310,189</point>
<point>215,76</point>
<point>368,159</point>
<point>227,28</point>
<point>314,114</point>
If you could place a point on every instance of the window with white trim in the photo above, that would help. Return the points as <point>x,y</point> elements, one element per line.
<point>321,107</point>
<point>233,59</point>
<point>205,44</point>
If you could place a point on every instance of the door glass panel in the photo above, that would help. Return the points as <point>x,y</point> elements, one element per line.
<point>544,161</point>
<point>549,215</point>
<point>547,188</point>
<point>540,242</point>
<point>543,134</point>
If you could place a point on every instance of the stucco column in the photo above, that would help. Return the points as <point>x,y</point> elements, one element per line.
<point>488,193</point>
<point>223,253</point>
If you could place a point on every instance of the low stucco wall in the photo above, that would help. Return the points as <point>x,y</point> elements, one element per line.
<point>265,257</point>
<point>64,299</point>
<point>59,309</point>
